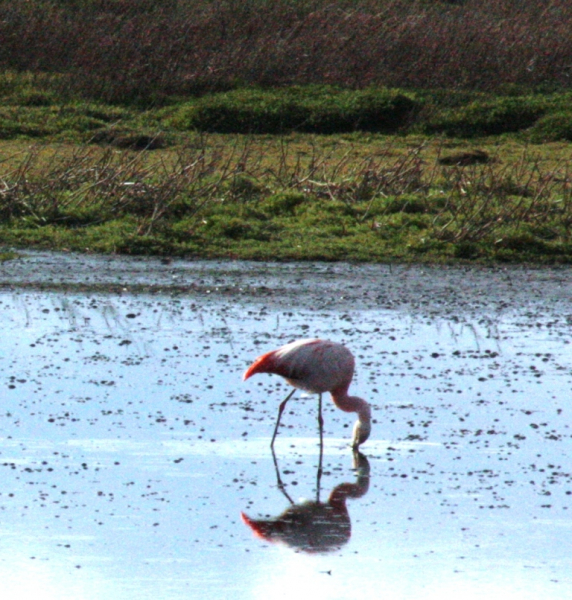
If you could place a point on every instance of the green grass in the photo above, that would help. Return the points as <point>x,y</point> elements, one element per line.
<point>296,174</point>
<point>36,106</point>
<point>5,256</point>
<point>312,109</point>
<point>296,198</point>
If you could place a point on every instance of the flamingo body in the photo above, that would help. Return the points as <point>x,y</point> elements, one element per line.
<point>314,526</point>
<point>317,366</point>
<point>310,526</point>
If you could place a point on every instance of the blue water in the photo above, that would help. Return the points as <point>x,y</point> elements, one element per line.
<point>129,446</point>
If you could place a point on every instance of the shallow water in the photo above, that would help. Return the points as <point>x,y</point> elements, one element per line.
<point>129,446</point>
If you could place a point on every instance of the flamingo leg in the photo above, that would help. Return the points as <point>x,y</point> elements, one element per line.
<point>280,411</point>
<point>321,426</point>
<point>320,421</point>
<point>279,482</point>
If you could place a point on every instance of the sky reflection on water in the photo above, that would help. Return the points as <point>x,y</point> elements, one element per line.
<point>130,446</point>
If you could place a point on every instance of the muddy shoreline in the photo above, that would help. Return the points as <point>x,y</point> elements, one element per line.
<point>339,286</point>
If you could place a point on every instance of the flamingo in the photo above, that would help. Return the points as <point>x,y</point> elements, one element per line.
<point>314,526</point>
<point>317,366</point>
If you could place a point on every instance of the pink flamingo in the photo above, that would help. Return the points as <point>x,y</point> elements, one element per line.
<point>317,366</point>
<point>314,526</point>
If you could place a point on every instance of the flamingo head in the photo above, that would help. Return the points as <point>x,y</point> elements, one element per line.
<point>267,363</point>
<point>362,427</point>
<point>261,529</point>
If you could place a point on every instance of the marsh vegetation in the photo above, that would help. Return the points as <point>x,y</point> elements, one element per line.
<point>203,129</point>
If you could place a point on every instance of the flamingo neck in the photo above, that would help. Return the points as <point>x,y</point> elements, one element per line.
<point>347,403</point>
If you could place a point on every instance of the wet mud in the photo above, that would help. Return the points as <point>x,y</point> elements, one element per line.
<point>136,463</point>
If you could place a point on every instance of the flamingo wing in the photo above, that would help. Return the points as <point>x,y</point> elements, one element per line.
<point>313,365</point>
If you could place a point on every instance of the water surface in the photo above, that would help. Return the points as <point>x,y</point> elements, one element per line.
<point>129,445</point>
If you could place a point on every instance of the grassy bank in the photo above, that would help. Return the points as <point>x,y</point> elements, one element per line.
<point>343,197</point>
<point>291,129</point>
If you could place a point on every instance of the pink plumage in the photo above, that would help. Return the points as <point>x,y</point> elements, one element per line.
<point>317,366</point>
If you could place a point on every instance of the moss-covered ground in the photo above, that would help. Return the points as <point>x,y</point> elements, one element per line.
<point>326,174</point>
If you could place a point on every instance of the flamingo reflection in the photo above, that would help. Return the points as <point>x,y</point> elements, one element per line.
<point>315,526</point>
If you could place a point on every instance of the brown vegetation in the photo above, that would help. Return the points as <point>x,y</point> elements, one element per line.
<point>128,50</point>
